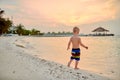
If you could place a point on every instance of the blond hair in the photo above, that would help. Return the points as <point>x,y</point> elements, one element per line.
<point>75,29</point>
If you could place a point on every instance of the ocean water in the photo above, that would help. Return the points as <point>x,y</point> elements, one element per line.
<point>102,57</point>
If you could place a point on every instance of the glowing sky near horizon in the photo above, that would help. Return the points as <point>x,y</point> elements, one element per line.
<point>61,14</point>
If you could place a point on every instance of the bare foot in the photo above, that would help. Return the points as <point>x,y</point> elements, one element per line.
<point>76,68</point>
<point>68,65</point>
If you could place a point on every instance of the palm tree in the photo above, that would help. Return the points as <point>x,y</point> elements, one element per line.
<point>35,32</point>
<point>20,29</point>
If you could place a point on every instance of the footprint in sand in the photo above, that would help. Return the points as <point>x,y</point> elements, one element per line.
<point>13,72</point>
<point>112,72</point>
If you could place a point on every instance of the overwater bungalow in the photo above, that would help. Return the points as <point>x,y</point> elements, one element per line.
<point>101,32</point>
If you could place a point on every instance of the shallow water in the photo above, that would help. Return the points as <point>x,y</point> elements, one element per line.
<point>102,57</point>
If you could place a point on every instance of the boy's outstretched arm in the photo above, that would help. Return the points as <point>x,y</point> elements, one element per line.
<point>68,47</point>
<point>82,44</point>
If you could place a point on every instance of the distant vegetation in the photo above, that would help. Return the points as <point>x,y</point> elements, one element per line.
<point>6,27</point>
<point>59,33</point>
<point>20,30</point>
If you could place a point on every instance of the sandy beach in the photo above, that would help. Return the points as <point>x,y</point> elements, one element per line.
<point>17,64</point>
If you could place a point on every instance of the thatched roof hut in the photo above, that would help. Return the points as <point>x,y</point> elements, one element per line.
<point>100,29</point>
<point>101,32</point>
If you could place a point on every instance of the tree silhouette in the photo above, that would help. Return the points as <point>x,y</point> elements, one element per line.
<point>20,29</point>
<point>35,32</point>
<point>5,24</point>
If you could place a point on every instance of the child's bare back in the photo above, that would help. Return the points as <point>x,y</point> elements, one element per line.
<point>75,41</point>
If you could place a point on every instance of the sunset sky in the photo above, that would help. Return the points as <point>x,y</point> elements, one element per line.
<point>63,15</point>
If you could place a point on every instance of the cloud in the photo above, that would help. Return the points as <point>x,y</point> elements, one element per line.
<point>54,13</point>
<point>71,12</point>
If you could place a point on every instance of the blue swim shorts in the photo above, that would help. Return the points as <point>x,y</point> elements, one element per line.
<point>75,54</point>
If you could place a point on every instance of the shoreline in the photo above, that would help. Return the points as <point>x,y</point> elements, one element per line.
<point>17,64</point>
